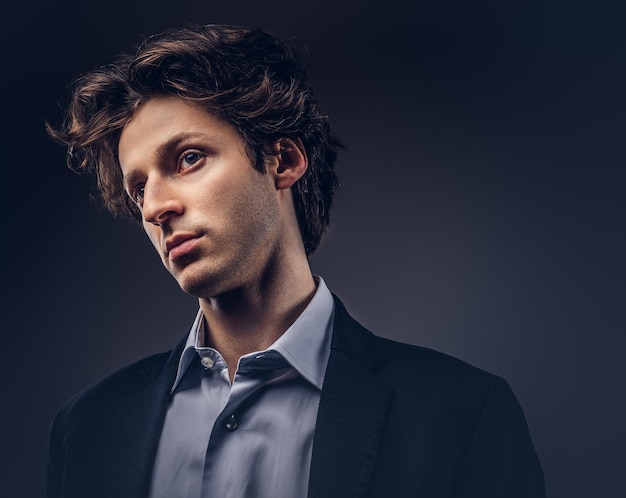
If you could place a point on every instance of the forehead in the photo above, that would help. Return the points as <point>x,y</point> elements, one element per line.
<point>159,122</point>
<point>167,114</point>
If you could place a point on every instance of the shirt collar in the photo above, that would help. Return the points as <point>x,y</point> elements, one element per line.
<point>189,351</point>
<point>305,345</point>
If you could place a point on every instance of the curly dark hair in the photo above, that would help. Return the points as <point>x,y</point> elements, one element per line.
<point>247,77</point>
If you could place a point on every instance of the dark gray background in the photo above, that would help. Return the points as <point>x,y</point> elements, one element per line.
<point>482,209</point>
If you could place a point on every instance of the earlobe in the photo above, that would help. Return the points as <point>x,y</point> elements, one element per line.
<point>292,162</point>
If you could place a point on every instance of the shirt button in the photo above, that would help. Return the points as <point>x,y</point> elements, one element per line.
<point>231,423</point>
<point>207,362</point>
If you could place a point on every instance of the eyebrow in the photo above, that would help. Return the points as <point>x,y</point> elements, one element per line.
<point>166,148</point>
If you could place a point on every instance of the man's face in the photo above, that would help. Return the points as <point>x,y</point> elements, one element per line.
<point>212,217</point>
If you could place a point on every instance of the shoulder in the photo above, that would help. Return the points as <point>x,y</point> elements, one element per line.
<point>458,423</point>
<point>414,369</point>
<point>410,361</point>
<point>417,375</point>
<point>95,429</point>
<point>122,383</point>
<point>450,396</point>
<point>402,363</point>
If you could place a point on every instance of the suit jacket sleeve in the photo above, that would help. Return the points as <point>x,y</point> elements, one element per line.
<point>501,460</point>
<point>55,457</point>
<point>53,478</point>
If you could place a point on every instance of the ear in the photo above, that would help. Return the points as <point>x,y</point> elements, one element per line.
<point>290,164</point>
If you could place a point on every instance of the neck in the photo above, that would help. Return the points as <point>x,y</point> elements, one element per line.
<point>253,317</point>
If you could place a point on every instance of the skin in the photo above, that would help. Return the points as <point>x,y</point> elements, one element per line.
<point>225,231</point>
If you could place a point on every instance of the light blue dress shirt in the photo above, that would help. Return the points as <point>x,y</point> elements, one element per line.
<point>253,438</point>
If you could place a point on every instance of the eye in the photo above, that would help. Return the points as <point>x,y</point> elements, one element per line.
<point>189,159</point>
<point>138,192</point>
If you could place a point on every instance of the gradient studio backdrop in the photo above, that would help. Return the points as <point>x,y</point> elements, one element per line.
<point>482,209</point>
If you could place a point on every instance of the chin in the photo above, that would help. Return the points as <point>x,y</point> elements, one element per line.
<point>203,280</point>
<point>200,285</point>
<point>195,287</point>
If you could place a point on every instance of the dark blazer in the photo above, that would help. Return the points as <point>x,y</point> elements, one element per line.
<point>394,421</point>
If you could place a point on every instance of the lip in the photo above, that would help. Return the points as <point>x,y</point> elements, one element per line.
<point>180,245</point>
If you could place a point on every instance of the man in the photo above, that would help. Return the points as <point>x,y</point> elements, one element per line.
<point>211,137</point>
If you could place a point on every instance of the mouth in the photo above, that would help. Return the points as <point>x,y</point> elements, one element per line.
<point>181,245</point>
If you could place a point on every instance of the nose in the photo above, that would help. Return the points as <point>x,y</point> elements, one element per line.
<point>160,201</point>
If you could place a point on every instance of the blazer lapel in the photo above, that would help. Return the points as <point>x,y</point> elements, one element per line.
<point>136,427</point>
<point>351,413</point>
